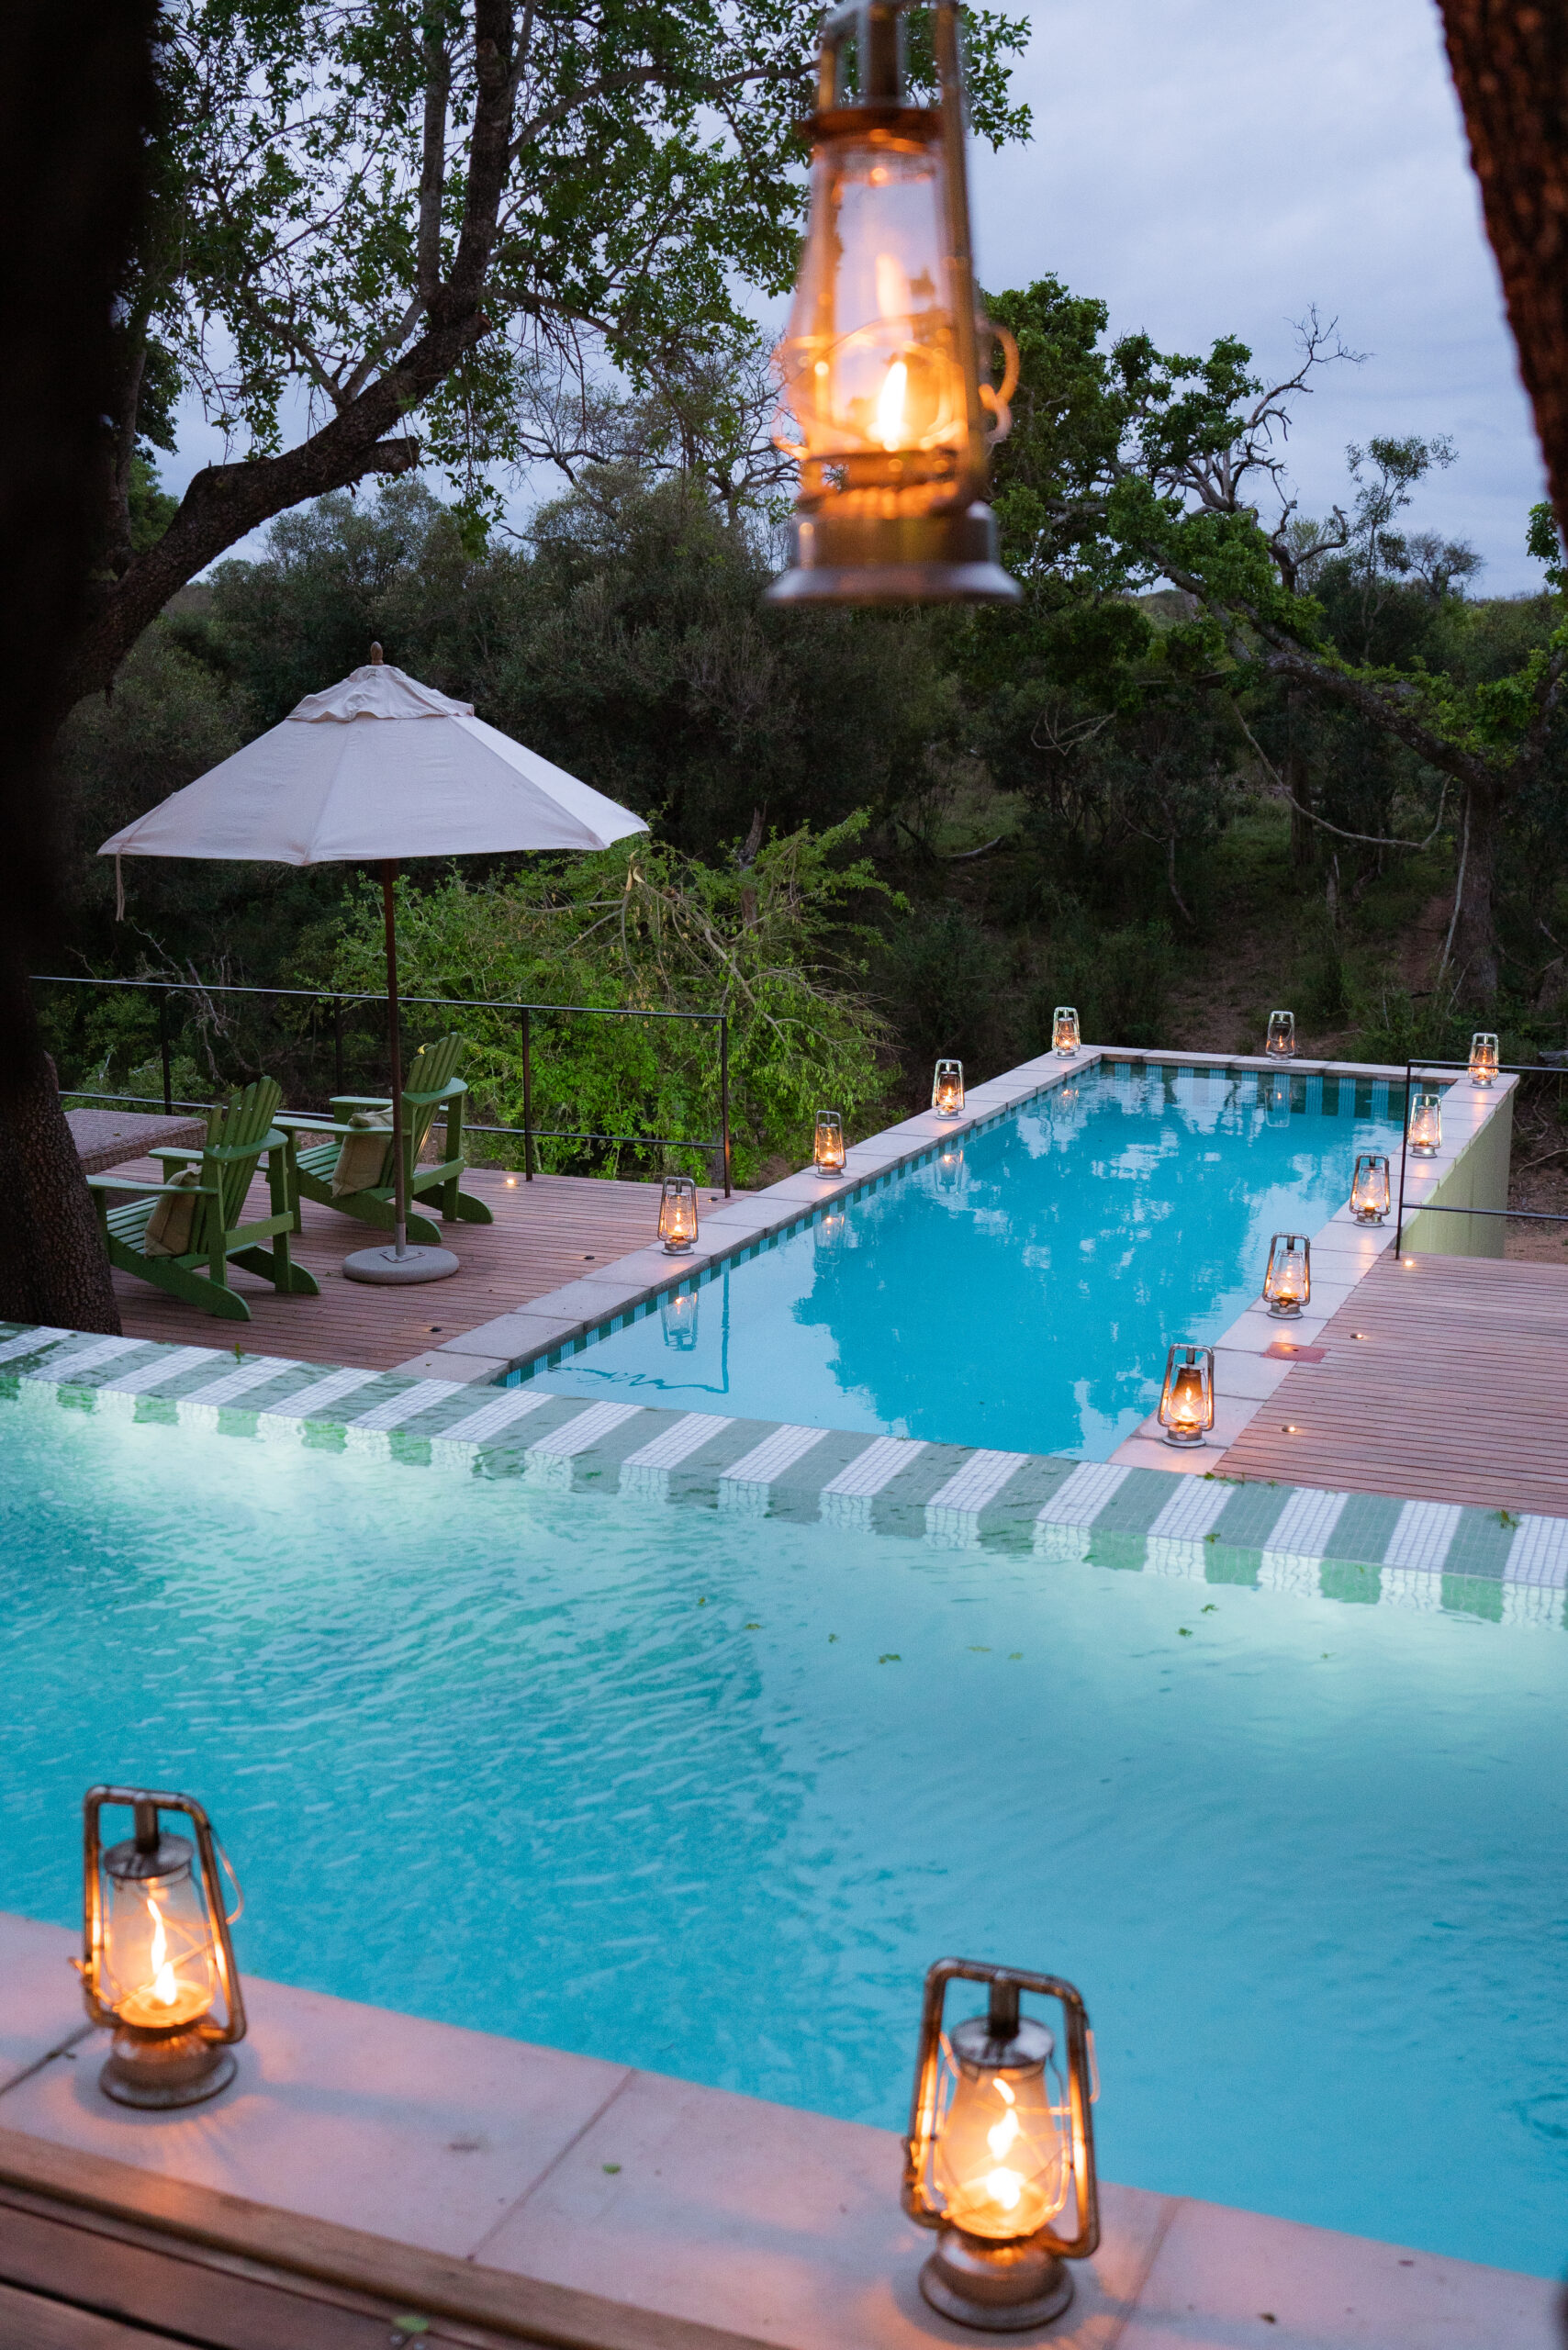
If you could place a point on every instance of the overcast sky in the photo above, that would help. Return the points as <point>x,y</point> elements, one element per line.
<point>1216,166</point>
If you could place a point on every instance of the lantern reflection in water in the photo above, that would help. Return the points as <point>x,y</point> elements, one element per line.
<point>947,1088</point>
<point>884,406</point>
<point>156,1955</point>
<point>1000,2142</point>
<point>677,1319</point>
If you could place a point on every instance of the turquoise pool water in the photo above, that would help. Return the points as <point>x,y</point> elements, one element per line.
<point>707,1793</point>
<point>1021,1289</point>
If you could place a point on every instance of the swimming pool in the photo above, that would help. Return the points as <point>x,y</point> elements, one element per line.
<point>1019,1290</point>
<point>707,1793</point>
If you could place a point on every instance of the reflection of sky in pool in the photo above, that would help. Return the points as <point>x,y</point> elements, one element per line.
<point>1020,1290</point>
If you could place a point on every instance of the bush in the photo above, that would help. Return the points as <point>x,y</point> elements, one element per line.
<point>1121,981</point>
<point>941,976</point>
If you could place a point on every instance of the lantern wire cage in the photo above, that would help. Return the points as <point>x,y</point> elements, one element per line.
<point>1001,2142</point>
<point>1370,1187</point>
<point>1066,1035</point>
<point>1426,1127</point>
<point>947,1088</point>
<point>1287,1281</point>
<point>1186,1412</point>
<point>827,1147</point>
<point>1483,1061</point>
<point>156,1953</point>
<point>883,404</point>
<point>677,1214</point>
<point>1280,1042</point>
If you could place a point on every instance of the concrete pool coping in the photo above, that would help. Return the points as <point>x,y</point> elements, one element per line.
<point>1358,1548</point>
<point>565,1320</point>
<point>567,2199</point>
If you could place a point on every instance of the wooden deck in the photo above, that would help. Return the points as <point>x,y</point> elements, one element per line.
<point>544,1232</point>
<point>1452,1391</point>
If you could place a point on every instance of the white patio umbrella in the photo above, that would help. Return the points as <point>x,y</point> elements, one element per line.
<point>373,770</point>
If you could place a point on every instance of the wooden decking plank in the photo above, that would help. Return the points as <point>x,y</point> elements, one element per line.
<point>544,1236</point>
<point>1452,1396</point>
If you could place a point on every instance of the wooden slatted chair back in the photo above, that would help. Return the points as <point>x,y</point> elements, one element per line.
<point>234,1151</point>
<point>430,1071</point>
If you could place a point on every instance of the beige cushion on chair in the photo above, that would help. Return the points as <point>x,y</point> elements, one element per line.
<point>168,1232</point>
<point>364,1154</point>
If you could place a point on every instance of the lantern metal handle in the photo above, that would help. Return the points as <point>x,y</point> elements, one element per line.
<point>88,1965</point>
<point>1082,2089</point>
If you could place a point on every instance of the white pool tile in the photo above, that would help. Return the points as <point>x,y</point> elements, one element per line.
<point>455,1447</point>
<point>871,1471</point>
<point>575,1436</point>
<point>1408,1587</point>
<point>1082,1494</point>
<point>1306,1523</point>
<point>1539,1554</point>
<point>370,1432</point>
<point>30,1342</point>
<point>1423,1537</point>
<point>1190,1511</point>
<point>677,1442</point>
<point>158,1372</point>
<point>767,1462</point>
<point>201,1409</point>
<point>283,1421</point>
<point>1535,1606</point>
<point>77,1360</point>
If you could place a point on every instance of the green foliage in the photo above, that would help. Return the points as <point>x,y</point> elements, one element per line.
<point>638,926</point>
<point>941,978</point>
<point>1124,983</point>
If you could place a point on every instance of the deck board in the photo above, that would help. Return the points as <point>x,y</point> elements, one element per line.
<point>1453,1394</point>
<point>544,1234</point>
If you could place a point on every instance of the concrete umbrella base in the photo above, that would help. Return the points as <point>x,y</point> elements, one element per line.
<point>414,1265</point>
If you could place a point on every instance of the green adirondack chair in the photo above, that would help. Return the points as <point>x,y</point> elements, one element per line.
<point>237,1138</point>
<point>432,1085</point>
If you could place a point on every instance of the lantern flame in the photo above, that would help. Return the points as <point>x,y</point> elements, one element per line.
<point>890,406</point>
<point>164,1988</point>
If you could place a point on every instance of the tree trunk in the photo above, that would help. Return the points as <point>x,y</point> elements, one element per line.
<point>75,111</point>
<point>1511,68</point>
<point>1473,958</point>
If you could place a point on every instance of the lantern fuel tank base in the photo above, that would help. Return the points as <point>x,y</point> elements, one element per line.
<point>865,558</point>
<point>997,2288</point>
<point>159,2071</point>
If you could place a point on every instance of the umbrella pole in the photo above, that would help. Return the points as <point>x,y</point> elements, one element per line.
<point>394,1043</point>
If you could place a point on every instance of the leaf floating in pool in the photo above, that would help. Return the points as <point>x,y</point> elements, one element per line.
<point>974,1651</point>
<point>831,1637</point>
<point>1213,1607</point>
<point>892,1657</point>
<point>1015,1656</point>
<point>1182,1633</point>
<point>751,1627</point>
<point>702,1603</point>
<point>612,2168</point>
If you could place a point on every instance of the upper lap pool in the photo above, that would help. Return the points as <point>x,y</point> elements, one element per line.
<point>1019,1288</point>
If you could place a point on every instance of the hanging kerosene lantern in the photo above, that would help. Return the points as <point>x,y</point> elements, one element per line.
<point>1369,1189</point>
<point>156,1956</point>
<point>1001,2144</point>
<point>947,1088</point>
<point>1280,1042</point>
<point>827,1147</point>
<point>1187,1397</point>
<point>1065,1036</point>
<point>1287,1281</point>
<point>677,1214</point>
<point>880,364</point>
<point>1483,1057</point>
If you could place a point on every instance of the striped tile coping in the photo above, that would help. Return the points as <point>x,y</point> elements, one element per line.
<point>1352,1547</point>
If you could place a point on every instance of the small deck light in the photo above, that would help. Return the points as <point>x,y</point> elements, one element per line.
<point>1065,1034</point>
<point>1482,1057</point>
<point>1187,1399</point>
<point>1370,1192</point>
<point>677,1214</point>
<point>827,1152</point>
<point>1000,2143</point>
<point>156,1953</point>
<point>947,1088</point>
<point>1280,1042</point>
<point>1287,1281</point>
<point>880,366</point>
<point>1427,1124</point>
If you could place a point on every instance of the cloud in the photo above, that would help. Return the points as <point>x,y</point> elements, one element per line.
<point>1214,166</point>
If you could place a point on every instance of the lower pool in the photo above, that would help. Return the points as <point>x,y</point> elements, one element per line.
<point>1019,1289</point>
<point>707,1793</point>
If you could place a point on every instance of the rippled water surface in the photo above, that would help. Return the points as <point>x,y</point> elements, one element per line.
<point>707,1795</point>
<point>1020,1290</point>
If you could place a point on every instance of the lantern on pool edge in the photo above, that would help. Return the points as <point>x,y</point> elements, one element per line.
<point>156,1957</point>
<point>1427,1124</point>
<point>1001,2145</point>
<point>1482,1057</point>
<point>677,1214</point>
<point>1280,1042</point>
<point>1065,1038</point>
<point>827,1149</point>
<point>879,368</point>
<point>1369,1192</point>
<point>947,1088</point>
<point>1287,1281</point>
<point>1187,1398</point>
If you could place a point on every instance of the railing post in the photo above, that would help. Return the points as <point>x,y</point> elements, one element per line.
<point>527,1096</point>
<point>724,1093</point>
<point>164,1054</point>
<point>1403,1147</point>
<point>338,1043</point>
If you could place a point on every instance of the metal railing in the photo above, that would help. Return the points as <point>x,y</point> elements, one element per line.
<point>528,1134</point>
<point>1511,1215</point>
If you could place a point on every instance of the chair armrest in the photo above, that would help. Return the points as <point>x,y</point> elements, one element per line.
<point>325,1127</point>
<point>123,1184</point>
<point>361,1101</point>
<point>178,1158</point>
<point>453,1091</point>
